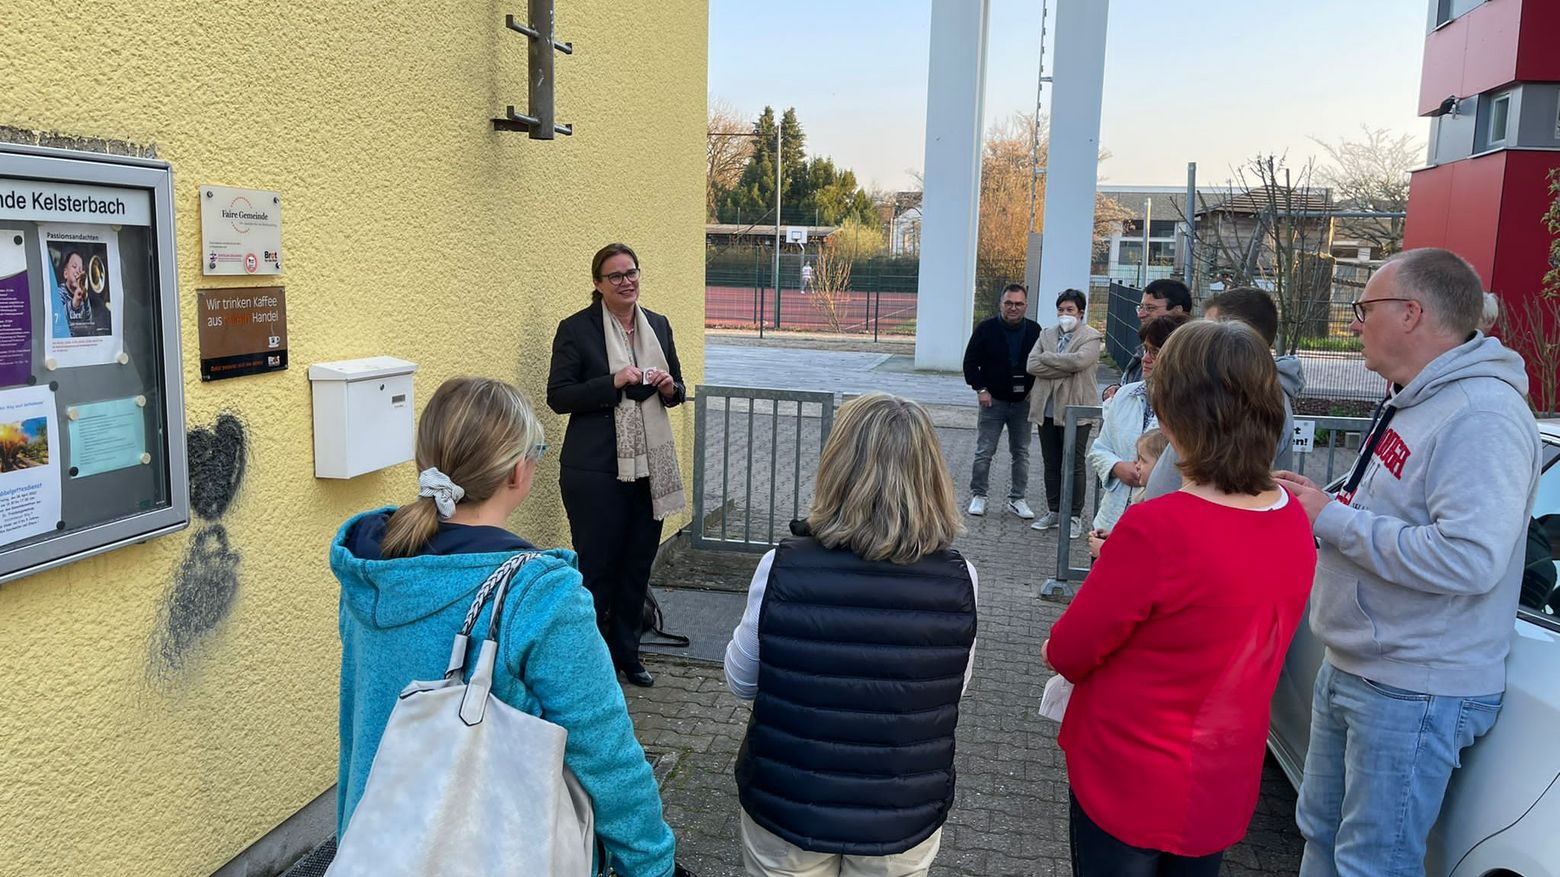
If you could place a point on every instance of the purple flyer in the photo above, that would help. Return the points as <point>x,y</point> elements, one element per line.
<point>15,311</point>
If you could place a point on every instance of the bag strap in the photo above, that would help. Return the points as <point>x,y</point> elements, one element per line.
<point>497,581</point>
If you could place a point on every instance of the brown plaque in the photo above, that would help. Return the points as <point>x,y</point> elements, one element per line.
<point>243,331</point>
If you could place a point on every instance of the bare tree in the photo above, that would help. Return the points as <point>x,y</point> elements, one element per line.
<point>1006,166</point>
<point>1274,231</point>
<point>1531,327</point>
<point>727,148</point>
<point>1372,173</point>
<point>831,284</point>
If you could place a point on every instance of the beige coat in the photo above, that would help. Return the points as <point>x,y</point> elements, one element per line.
<point>1066,377</point>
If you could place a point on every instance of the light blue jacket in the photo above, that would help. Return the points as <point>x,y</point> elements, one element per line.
<point>398,618</point>
<point>1120,428</point>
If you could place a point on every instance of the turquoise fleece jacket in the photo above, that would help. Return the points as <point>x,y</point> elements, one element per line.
<point>398,618</point>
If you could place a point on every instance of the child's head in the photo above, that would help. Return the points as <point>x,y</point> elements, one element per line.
<point>479,435</point>
<point>1150,445</point>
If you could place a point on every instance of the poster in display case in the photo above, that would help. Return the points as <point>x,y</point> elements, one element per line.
<point>92,446</point>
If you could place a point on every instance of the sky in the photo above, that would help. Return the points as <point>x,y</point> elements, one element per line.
<point>1211,81</point>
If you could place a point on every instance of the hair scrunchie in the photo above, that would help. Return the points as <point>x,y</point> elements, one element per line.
<point>445,493</point>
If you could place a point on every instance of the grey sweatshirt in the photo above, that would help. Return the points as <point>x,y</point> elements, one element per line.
<point>1419,568</point>
<point>1166,478</point>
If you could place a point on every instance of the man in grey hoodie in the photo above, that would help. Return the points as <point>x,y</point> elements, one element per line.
<point>1418,571</point>
<point>1255,308</point>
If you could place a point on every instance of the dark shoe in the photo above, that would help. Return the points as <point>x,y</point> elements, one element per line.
<point>639,676</point>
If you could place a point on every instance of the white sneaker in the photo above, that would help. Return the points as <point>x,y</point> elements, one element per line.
<point>1020,508</point>
<point>978,506</point>
<point>1077,527</point>
<point>1045,521</point>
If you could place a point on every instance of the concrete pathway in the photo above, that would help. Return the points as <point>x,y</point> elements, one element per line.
<point>1010,813</point>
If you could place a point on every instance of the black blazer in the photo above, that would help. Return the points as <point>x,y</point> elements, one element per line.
<point>986,364</point>
<point>579,384</point>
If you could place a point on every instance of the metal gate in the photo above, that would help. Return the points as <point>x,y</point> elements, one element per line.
<point>755,459</point>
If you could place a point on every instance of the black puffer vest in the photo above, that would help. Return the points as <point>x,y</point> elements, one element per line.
<point>861,665</point>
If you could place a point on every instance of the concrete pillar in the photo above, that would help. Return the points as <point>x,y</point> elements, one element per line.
<point>950,204</point>
<point>1077,90</point>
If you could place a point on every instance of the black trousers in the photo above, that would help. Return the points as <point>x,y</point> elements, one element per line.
<point>1095,853</point>
<point>1051,434</point>
<point>616,536</point>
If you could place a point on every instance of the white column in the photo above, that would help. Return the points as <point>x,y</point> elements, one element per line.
<point>950,203</point>
<point>1077,90</point>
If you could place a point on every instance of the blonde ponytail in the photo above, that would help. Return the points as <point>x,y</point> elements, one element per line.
<point>410,528</point>
<point>474,430</point>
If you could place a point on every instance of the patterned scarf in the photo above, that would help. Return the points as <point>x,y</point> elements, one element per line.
<point>645,447</point>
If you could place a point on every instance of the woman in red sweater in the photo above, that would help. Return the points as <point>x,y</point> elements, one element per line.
<point>1175,640</point>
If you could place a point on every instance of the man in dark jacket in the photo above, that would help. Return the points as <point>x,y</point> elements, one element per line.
<point>994,368</point>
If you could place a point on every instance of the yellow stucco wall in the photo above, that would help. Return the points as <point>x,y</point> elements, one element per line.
<point>410,229</point>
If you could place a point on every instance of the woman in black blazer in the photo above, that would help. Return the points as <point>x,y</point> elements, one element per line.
<point>614,372</point>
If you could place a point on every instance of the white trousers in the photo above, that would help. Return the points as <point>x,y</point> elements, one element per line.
<point>766,855</point>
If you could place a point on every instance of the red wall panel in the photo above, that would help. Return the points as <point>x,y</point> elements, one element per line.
<point>1538,58</point>
<point>1478,51</point>
<point>1457,206</point>
<point>1522,256</point>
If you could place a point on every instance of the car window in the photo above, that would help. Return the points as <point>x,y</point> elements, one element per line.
<point>1541,568</point>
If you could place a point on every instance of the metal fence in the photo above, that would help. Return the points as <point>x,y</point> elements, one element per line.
<point>879,299</point>
<point>1324,450</point>
<point>1329,354</point>
<point>755,459</point>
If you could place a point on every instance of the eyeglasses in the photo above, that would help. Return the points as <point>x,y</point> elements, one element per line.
<point>1362,308</point>
<point>539,451</point>
<point>1150,309</point>
<point>618,278</point>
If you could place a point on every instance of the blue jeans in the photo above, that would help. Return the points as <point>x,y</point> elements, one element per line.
<point>1376,771</point>
<point>1015,417</point>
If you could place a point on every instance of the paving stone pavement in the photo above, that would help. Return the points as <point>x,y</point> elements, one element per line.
<point>1010,813</point>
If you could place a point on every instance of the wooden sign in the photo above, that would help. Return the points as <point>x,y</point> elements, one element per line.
<point>243,331</point>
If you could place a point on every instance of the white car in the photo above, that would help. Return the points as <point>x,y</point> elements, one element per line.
<point>1502,812</point>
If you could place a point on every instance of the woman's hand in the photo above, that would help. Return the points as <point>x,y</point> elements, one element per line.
<point>1126,473</point>
<point>1097,542</point>
<point>662,381</point>
<point>627,375</point>
<point>1045,654</point>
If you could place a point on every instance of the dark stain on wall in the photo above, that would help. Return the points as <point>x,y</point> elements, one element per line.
<point>206,582</point>
<point>217,459</point>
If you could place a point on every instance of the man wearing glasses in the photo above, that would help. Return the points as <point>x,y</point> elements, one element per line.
<point>1161,297</point>
<point>1419,567</point>
<point>994,368</point>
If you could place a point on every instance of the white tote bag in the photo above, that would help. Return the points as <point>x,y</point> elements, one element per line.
<point>464,785</point>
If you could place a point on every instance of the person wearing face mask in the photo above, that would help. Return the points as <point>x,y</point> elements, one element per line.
<point>1063,362</point>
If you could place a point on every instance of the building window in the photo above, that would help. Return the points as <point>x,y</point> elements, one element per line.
<point>1500,115</point>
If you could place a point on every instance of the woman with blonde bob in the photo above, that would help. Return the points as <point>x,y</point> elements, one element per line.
<point>1176,638</point>
<point>408,576</point>
<point>855,649</point>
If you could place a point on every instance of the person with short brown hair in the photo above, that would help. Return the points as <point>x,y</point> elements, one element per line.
<point>1175,640</point>
<point>1227,415</point>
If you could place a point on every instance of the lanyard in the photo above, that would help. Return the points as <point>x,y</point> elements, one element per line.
<point>1378,428</point>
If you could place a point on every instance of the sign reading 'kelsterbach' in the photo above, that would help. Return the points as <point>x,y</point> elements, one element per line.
<point>40,201</point>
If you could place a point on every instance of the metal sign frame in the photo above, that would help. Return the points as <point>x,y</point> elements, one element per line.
<point>155,177</point>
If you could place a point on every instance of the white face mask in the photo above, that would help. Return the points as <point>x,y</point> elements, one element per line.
<point>1067,322</point>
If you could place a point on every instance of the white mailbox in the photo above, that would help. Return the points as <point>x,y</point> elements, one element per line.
<point>362,415</point>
